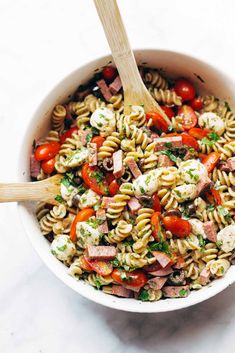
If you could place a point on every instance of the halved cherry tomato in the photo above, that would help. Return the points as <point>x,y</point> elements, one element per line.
<point>211,160</point>
<point>81,216</point>
<point>109,177</point>
<point>217,197</point>
<point>67,134</point>
<point>109,73</point>
<point>169,112</point>
<point>84,264</point>
<point>157,121</point>
<point>48,166</point>
<point>189,117</point>
<point>94,179</point>
<point>190,141</point>
<point>155,223</point>
<point>99,140</point>
<point>185,89</point>
<point>136,279</point>
<point>196,103</point>
<point>177,226</point>
<point>199,133</point>
<point>156,203</point>
<point>113,187</point>
<point>102,267</point>
<point>46,151</point>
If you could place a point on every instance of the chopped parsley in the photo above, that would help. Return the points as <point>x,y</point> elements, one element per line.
<point>97,283</point>
<point>81,189</point>
<point>171,129</point>
<point>100,124</point>
<point>183,292</point>
<point>142,189</point>
<point>148,179</point>
<point>53,252</point>
<point>219,243</point>
<point>89,137</point>
<point>178,193</point>
<point>168,144</point>
<point>213,139</point>
<point>94,131</point>
<point>98,175</point>
<point>160,246</point>
<point>210,207</point>
<point>224,212</point>
<point>68,180</point>
<point>115,262</point>
<point>213,136</point>
<point>170,155</point>
<point>201,240</point>
<point>143,295</point>
<point>62,248</point>
<point>193,176</point>
<point>96,207</point>
<point>59,198</point>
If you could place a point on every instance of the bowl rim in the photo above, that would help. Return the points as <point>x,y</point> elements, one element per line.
<point>117,303</point>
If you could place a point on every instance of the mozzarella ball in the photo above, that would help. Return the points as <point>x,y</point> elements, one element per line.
<point>77,158</point>
<point>67,192</point>
<point>212,121</point>
<point>197,227</point>
<point>192,171</point>
<point>63,248</point>
<point>219,267</point>
<point>226,238</point>
<point>146,184</point>
<point>103,119</point>
<point>185,192</point>
<point>89,199</point>
<point>87,234</point>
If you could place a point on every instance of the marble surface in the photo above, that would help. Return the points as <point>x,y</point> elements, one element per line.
<point>40,43</point>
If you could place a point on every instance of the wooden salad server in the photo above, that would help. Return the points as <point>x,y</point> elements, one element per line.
<point>135,92</point>
<point>44,190</point>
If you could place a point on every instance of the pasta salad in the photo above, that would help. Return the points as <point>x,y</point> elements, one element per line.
<point>145,210</point>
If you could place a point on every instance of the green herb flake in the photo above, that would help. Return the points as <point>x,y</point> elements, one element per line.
<point>148,179</point>
<point>168,144</point>
<point>171,129</point>
<point>53,252</point>
<point>96,207</point>
<point>201,240</point>
<point>89,137</point>
<point>219,243</point>
<point>170,155</point>
<point>224,212</point>
<point>144,295</point>
<point>213,136</point>
<point>124,276</point>
<point>81,189</point>
<point>62,248</point>
<point>210,207</point>
<point>59,199</point>
<point>178,193</point>
<point>183,292</point>
<point>160,246</point>
<point>115,262</point>
<point>68,180</point>
<point>142,189</point>
<point>97,283</point>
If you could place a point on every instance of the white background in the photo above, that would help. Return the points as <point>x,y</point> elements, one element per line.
<point>40,43</point>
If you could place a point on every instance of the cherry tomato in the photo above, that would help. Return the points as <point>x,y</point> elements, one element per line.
<point>157,121</point>
<point>199,133</point>
<point>99,140</point>
<point>190,141</point>
<point>113,187</point>
<point>189,117</point>
<point>81,216</point>
<point>169,112</point>
<point>136,279</point>
<point>46,151</point>
<point>94,179</point>
<point>196,103</point>
<point>156,203</point>
<point>67,134</point>
<point>155,224</point>
<point>177,226</point>
<point>84,264</point>
<point>48,166</point>
<point>102,267</point>
<point>109,73</point>
<point>184,89</point>
<point>211,160</point>
<point>217,197</point>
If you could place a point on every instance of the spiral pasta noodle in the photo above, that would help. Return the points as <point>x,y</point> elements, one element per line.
<point>109,146</point>
<point>47,222</point>
<point>223,177</point>
<point>165,96</point>
<point>137,116</point>
<point>121,232</point>
<point>154,79</point>
<point>217,217</point>
<point>57,118</point>
<point>120,200</point>
<point>167,199</point>
<point>182,246</point>
<point>96,280</point>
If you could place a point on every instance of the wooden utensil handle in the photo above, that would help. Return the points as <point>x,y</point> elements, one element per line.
<point>12,192</point>
<point>118,41</point>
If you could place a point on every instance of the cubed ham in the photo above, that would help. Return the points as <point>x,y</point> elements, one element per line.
<point>132,165</point>
<point>175,292</point>
<point>204,276</point>
<point>34,166</point>
<point>83,136</point>
<point>106,201</point>
<point>162,258</point>
<point>118,169</point>
<point>121,291</point>
<point>101,252</point>
<point>157,282</point>
<point>104,228</point>
<point>134,204</point>
<point>231,164</point>
<point>162,272</point>
<point>115,86</point>
<point>210,231</point>
<point>188,155</point>
<point>100,214</point>
<point>104,89</point>
<point>204,185</point>
<point>164,161</point>
<point>92,157</point>
<point>164,143</point>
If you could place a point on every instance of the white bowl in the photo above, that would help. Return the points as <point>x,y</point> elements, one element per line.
<point>174,64</point>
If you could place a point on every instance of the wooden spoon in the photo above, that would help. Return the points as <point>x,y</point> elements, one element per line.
<point>135,92</point>
<point>45,190</point>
